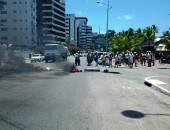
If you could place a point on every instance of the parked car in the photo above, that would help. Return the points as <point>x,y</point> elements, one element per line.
<point>37,57</point>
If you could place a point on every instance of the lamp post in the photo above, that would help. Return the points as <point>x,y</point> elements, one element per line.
<point>108,8</point>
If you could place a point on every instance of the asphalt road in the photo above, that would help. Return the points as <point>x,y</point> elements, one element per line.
<point>59,100</point>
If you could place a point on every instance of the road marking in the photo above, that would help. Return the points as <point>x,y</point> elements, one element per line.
<point>132,88</point>
<point>155,81</point>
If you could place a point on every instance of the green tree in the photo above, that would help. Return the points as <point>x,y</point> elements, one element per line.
<point>166,37</point>
<point>149,33</point>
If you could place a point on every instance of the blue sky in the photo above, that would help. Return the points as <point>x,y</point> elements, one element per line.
<point>124,14</point>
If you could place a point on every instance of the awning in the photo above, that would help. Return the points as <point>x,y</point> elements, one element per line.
<point>162,47</point>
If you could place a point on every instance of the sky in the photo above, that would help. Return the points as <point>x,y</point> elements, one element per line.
<point>123,15</point>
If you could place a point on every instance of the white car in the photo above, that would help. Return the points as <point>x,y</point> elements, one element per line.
<point>37,57</point>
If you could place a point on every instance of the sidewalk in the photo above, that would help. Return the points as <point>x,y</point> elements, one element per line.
<point>161,84</point>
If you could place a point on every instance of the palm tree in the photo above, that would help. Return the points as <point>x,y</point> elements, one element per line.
<point>155,29</point>
<point>148,35</point>
<point>166,37</point>
<point>139,39</point>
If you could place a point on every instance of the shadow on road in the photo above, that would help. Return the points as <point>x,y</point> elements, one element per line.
<point>137,114</point>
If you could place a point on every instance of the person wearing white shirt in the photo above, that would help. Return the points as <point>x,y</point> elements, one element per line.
<point>131,59</point>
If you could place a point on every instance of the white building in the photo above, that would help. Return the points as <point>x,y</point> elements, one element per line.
<point>89,35</point>
<point>18,22</point>
<point>71,29</point>
<point>81,25</point>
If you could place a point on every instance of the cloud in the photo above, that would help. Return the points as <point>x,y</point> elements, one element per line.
<point>126,17</point>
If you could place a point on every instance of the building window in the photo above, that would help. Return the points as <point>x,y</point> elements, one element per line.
<point>20,2</point>
<point>3,12</point>
<point>25,11</point>
<point>26,28</point>
<point>14,11</point>
<point>3,20</point>
<point>3,29</point>
<point>14,2</point>
<point>15,20</point>
<point>4,3</point>
<point>4,38</point>
<point>20,28</point>
<point>26,20</point>
<point>15,29</point>
<point>20,11</point>
<point>15,37</point>
<point>25,2</point>
<point>20,20</point>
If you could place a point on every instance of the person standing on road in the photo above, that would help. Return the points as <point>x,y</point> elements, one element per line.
<point>116,60</point>
<point>89,59</point>
<point>104,60</point>
<point>30,55</point>
<point>96,57</point>
<point>136,59</point>
<point>143,59</point>
<point>149,56</point>
<point>77,59</point>
<point>131,60</point>
<point>153,59</point>
<point>110,59</point>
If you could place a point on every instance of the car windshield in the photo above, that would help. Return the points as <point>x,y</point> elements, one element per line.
<point>34,55</point>
<point>51,47</point>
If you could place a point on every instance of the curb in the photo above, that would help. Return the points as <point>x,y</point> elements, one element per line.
<point>156,87</point>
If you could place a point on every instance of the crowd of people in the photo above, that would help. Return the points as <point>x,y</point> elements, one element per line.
<point>131,59</point>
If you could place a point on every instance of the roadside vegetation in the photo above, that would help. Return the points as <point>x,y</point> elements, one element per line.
<point>133,40</point>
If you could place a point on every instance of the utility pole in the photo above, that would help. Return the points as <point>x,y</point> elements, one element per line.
<point>107,20</point>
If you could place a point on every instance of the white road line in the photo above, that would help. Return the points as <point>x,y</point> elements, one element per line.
<point>155,81</point>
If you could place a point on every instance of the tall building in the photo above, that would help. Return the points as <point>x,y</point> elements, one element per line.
<point>18,22</point>
<point>81,25</point>
<point>89,37</point>
<point>71,29</point>
<point>51,21</point>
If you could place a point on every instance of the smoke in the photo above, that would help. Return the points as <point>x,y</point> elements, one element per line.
<point>11,60</point>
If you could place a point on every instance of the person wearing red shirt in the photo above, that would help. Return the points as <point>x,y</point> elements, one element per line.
<point>136,59</point>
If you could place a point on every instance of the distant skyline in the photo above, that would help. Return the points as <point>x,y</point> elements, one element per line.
<point>124,14</point>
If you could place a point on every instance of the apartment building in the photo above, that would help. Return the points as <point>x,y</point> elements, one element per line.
<point>18,22</point>
<point>81,25</point>
<point>51,21</point>
<point>89,35</point>
<point>71,29</point>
